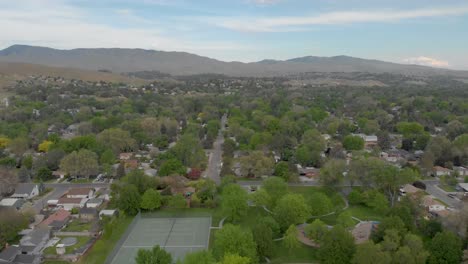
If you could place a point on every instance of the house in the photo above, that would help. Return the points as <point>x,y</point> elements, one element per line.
<point>9,254</point>
<point>440,171</point>
<point>70,203</point>
<point>105,194</point>
<point>108,213</point>
<point>309,172</point>
<point>35,240</point>
<point>194,174</point>
<point>369,141</point>
<point>463,187</point>
<point>125,156</point>
<point>409,189</point>
<point>362,231</point>
<point>26,191</point>
<point>131,164</point>
<point>94,203</point>
<point>57,220</point>
<point>462,171</point>
<point>80,193</point>
<point>86,213</point>
<point>12,202</point>
<point>151,172</point>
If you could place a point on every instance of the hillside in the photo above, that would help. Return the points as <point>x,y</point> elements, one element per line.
<point>181,63</point>
<point>10,71</point>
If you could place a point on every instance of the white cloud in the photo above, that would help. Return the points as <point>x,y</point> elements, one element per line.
<point>426,61</point>
<point>292,23</point>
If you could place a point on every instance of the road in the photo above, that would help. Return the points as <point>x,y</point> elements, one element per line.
<point>216,155</point>
<point>434,190</point>
<point>59,189</point>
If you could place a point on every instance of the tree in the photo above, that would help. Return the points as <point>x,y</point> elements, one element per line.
<point>177,201</point>
<point>261,198</point>
<point>189,151</point>
<point>331,174</point>
<point>44,174</point>
<point>24,175</point>
<point>8,181</point>
<point>370,253</point>
<point>316,230</point>
<point>263,238</point>
<point>291,209</point>
<point>351,142</point>
<point>233,239</point>
<point>282,170</point>
<point>235,259</point>
<point>345,219</point>
<point>44,146</point>
<point>445,248</point>
<point>430,227</point>
<point>390,179</point>
<point>337,246</point>
<point>80,164</point>
<point>170,167</point>
<point>290,241</point>
<point>276,188</point>
<point>120,172</point>
<point>151,200</point>
<point>53,158</point>
<point>415,245</point>
<point>107,157</point>
<point>199,257</point>
<point>11,222</point>
<point>129,199</point>
<point>320,204</point>
<point>116,139</point>
<point>272,224</point>
<point>18,146</point>
<point>256,164</point>
<point>234,202</point>
<point>389,222</point>
<point>156,255</point>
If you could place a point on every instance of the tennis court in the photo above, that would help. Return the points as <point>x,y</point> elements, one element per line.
<point>178,236</point>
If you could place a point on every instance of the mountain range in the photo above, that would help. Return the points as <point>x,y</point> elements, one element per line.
<point>181,63</point>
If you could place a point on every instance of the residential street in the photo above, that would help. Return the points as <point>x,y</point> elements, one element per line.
<point>59,189</point>
<point>216,155</point>
<point>434,190</point>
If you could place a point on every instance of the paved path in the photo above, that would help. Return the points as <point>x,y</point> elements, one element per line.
<point>216,155</point>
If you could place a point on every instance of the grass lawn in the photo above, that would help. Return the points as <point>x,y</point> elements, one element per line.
<point>303,254</point>
<point>447,188</point>
<point>249,221</point>
<point>98,253</point>
<point>307,191</point>
<point>365,213</point>
<point>81,241</point>
<point>77,226</point>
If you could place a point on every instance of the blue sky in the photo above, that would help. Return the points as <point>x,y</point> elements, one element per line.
<point>427,32</point>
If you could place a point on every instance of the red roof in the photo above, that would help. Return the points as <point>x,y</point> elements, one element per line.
<point>60,215</point>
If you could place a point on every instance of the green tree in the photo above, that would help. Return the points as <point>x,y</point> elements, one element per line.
<point>107,157</point>
<point>44,174</point>
<point>256,164</point>
<point>276,188</point>
<point>80,164</point>
<point>151,200</point>
<point>370,253</point>
<point>189,151</point>
<point>235,259</point>
<point>172,166</point>
<point>116,139</point>
<point>415,245</point>
<point>199,257</point>
<point>156,255</point>
<point>129,199</point>
<point>291,209</point>
<point>337,246</point>
<point>345,219</point>
<point>263,238</point>
<point>320,204</point>
<point>282,170</point>
<point>316,230</point>
<point>389,222</point>
<point>331,174</point>
<point>234,202</point>
<point>177,201</point>
<point>290,241</point>
<point>445,248</point>
<point>233,239</point>
<point>351,142</point>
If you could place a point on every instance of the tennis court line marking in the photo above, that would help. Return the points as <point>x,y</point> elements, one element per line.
<point>189,246</point>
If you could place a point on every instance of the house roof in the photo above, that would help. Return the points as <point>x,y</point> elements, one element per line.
<point>9,253</point>
<point>35,237</point>
<point>439,168</point>
<point>9,201</point>
<point>107,212</point>
<point>61,215</point>
<point>79,191</point>
<point>86,210</point>
<point>95,200</point>
<point>65,200</point>
<point>408,188</point>
<point>24,188</point>
<point>464,186</point>
<point>25,259</point>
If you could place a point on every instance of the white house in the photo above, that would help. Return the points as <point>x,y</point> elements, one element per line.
<point>26,191</point>
<point>94,203</point>
<point>70,203</point>
<point>108,213</point>
<point>462,171</point>
<point>12,202</point>
<point>440,171</point>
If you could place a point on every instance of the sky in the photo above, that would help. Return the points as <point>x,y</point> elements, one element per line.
<point>425,32</point>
